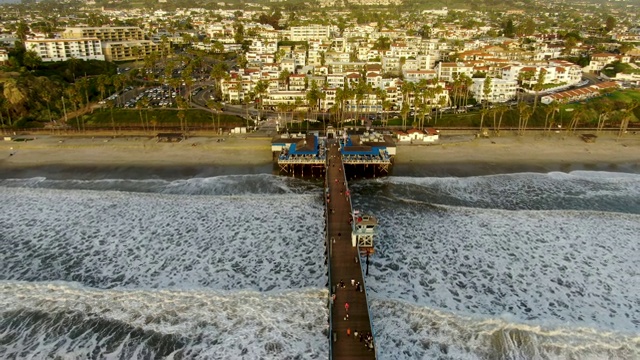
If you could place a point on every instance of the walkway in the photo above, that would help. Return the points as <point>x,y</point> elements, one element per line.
<point>345,266</point>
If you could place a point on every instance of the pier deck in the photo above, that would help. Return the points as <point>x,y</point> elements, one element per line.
<point>344,262</point>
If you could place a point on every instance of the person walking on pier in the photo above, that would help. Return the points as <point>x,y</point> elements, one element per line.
<point>346,307</point>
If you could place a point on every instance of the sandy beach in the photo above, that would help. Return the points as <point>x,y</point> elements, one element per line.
<point>464,155</point>
<point>458,155</point>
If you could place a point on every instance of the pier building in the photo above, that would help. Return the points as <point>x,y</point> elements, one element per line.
<point>364,151</point>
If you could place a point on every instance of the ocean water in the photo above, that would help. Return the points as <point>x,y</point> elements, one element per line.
<point>513,266</point>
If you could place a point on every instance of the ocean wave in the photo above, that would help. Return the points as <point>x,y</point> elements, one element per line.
<point>49,320</point>
<point>226,185</point>
<point>579,190</point>
<point>563,267</point>
<point>408,331</point>
<point>112,239</point>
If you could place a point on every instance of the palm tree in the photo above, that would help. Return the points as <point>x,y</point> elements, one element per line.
<point>215,108</point>
<point>524,113</point>
<point>603,107</point>
<point>501,109</point>
<point>538,86</point>
<point>103,81</point>
<point>111,104</point>
<point>466,83</point>
<point>261,89</point>
<point>578,115</point>
<point>550,110</point>
<point>627,114</point>
<point>183,104</point>
<point>404,112</point>
<point>72,95</point>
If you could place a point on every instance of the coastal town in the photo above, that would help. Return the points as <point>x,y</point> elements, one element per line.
<point>378,63</point>
<point>338,179</point>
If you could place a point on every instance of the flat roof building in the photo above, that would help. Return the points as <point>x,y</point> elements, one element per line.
<point>65,49</point>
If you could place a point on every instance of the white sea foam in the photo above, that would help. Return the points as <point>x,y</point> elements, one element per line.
<point>219,185</point>
<point>46,320</point>
<point>408,331</point>
<point>576,190</point>
<point>551,267</point>
<point>115,239</point>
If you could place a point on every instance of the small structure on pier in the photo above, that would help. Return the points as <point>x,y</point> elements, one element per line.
<point>368,148</point>
<point>363,229</point>
<point>299,150</point>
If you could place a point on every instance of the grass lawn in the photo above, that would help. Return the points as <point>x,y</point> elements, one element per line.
<point>195,118</point>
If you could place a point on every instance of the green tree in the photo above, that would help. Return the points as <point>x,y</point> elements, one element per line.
<point>31,60</point>
<point>383,43</point>
<point>539,85</point>
<point>509,29</point>
<point>610,23</point>
<point>486,91</point>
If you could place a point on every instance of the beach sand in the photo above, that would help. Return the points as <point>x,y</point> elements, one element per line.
<point>464,155</point>
<point>138,157</point>
<point>201,156</point>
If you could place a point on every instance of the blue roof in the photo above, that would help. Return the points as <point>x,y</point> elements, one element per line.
<point>313,151</point>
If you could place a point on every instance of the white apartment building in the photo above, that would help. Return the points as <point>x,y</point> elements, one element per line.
<point>4,56</point>
<point>599,61</point>
<point>417,75</point>
<point>275,98</point>
<point>556,72</point>
<point>501,90</point>
<point>390,64</point>
<point>448,70</point>
<point>263,46</point>
<point>310,32</point>
<point>335,80</point>
<point>65,49</point>
<point>105,33</point>
<point>329,98</point>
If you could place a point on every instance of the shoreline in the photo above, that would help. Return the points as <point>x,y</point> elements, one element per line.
<point>143,157</point>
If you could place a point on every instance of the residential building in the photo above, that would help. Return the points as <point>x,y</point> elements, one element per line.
<point>309,32</point>
<point>501,90</point>
<point>106,33</point>
<point>130,50</point>
<point>447,71</point>
<point>4,56</point>
<point>600,60</point>
<point>275,98</point>
<point>579,94</point>
<point>65,49</point>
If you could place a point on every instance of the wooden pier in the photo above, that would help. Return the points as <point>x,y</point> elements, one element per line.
<point>344,265</point>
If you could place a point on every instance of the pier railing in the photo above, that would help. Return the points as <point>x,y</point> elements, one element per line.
<point>327,240</point>
<point>364,280</point>
<point>366,299</point>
